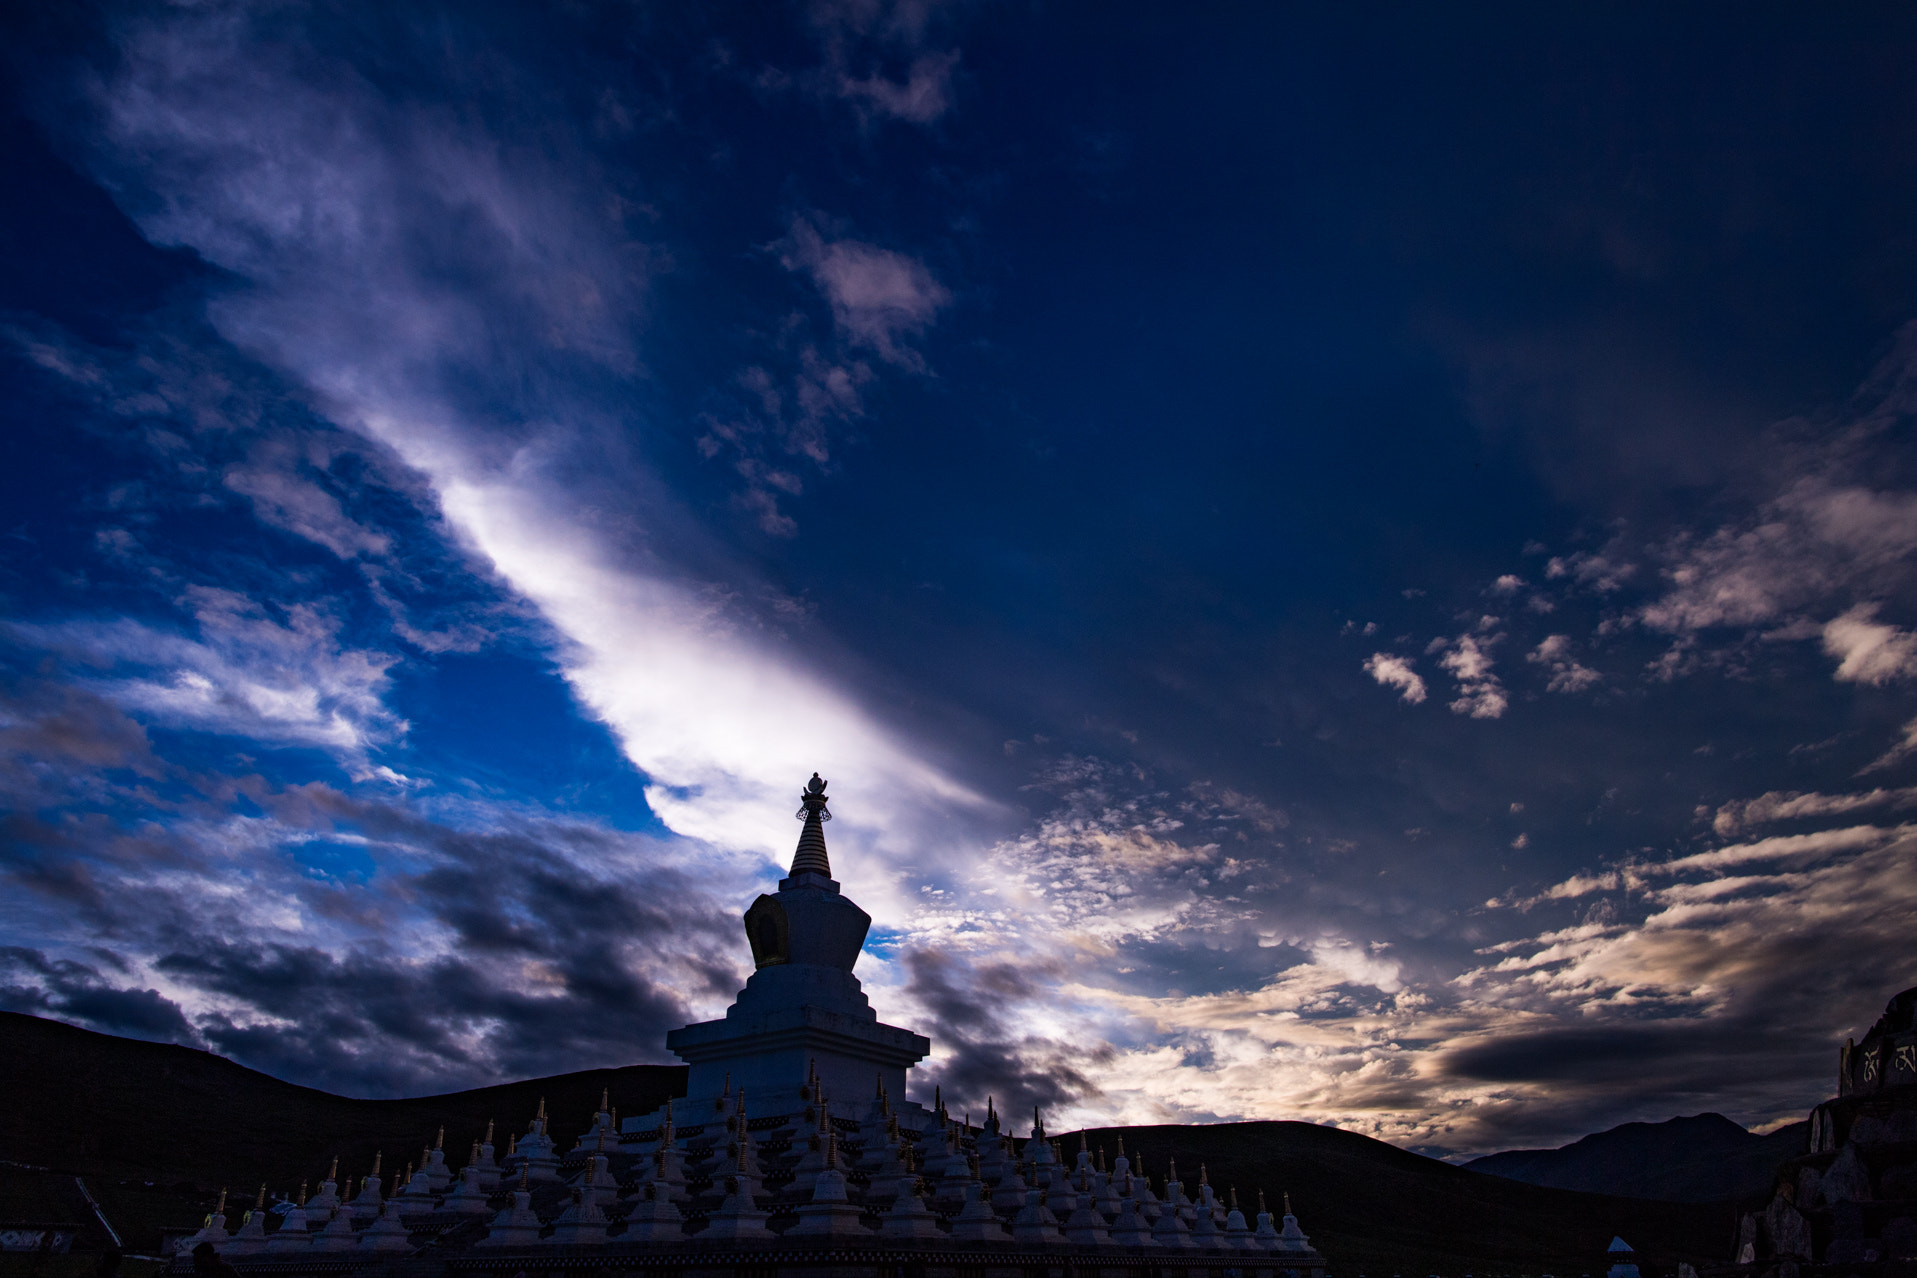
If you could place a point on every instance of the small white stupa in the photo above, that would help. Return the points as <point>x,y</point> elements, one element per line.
<point>251,1237</point>
<point>517,1225</point>
<point>1623,1259</point>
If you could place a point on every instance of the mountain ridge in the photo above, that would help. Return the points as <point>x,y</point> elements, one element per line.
<point>1698,1158</point>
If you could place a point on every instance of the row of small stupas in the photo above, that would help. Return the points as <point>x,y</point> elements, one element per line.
<point>789,1134</point>
<point>741,1177</point>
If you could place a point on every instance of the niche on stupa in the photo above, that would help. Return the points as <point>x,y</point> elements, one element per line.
<point>769,932</point>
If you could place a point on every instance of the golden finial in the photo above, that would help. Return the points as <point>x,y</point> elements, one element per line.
<point>474,1156</point>
<point>221,1209</point>
<point>376,1157</point>
<point>1287,1202</point>
<point>259,1204</point>
<point>489,1131</point>
<point>439,1141</point>
<point>831,1149</point>
<point>512,1146</point>
<point>1233,1192</point>
<point>540,1117</point>
<point>332,1173</point>
<point>1262,1209</point>
<point>605,1096</point>
<point>302,1193</point>
<point>1201,1175</point>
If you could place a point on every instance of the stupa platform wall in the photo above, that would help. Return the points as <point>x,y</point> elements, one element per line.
<point>770,1053</point>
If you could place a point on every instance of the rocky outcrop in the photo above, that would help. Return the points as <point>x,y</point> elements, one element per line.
<point>1851,1199</point>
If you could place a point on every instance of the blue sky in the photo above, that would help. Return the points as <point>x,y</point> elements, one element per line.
<point>1349,566</point>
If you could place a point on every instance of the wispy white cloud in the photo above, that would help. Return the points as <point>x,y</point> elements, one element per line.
<point>1821,537</point>
<point>246,674</point>
<point>1867,650</point>
<point>1567,675</point>
<point>1898,752</point>
<point>1782,847</point>
<point>1603,572</point>
<point>1480,692</point>
<point>1790,805</point>
<point>879,296</point>
<point>283,494</point>
<point>1714,943</point>
<point>1397,672</point>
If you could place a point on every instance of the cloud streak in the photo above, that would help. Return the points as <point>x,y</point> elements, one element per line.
<point>345,302</point>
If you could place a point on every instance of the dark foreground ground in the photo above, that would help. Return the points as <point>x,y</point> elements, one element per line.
<point>157,1131</point>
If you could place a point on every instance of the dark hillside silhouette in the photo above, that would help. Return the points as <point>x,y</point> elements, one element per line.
<point>159,1130</point>
<point>1701,1159</point>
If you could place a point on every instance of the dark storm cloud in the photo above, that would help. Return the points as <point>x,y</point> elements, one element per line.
<point>1700,1059</point>
<point>75,991</point>
<point>972,1005</point>
<point>506,957</point>
<point>523,947</point>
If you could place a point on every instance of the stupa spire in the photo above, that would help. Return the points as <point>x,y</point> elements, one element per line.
<point>810,857</point>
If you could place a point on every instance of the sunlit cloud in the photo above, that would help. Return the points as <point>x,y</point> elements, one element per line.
<point>1397,672</point>
<point>723,726</point>
<point>1867,650</point>
<point>245,674</point>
